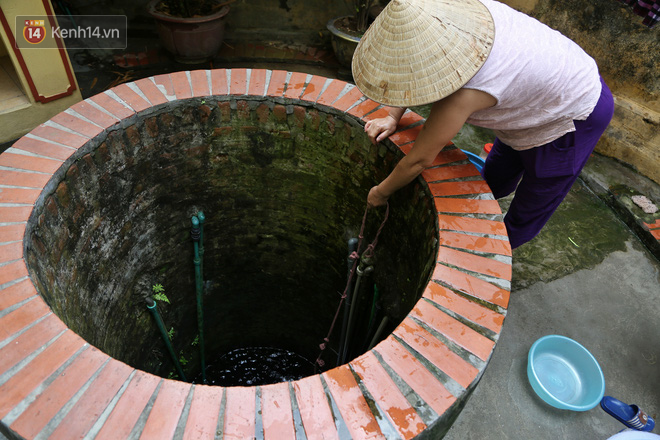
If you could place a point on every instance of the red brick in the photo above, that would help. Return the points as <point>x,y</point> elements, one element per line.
<point>12,271</point>
<point>76,124</point>
<point>204,411</point>
<point>238,82</point>
<point>43,148</point>
<point>436,352</point>
<point>313,89</point>
<point>167,409</point>
<point>11,233</point>
<point>363,108</point>
<point>257,85</point>
<point>409,118</point>
<point>403,417</point>
<point>23,178</point>
<point>474,263</point>
<point>464,307</point>
<point>655,233</point>
<point>459,188</point>
<point>58,393</point>
<point>331,92</point>
<point>19,195</point>
<point>95,115</point>
<point>22,317</point>
<point>11,252</point>
<point>450,172</point>
<point>181,85</point>
<point>467,206</point>
<point>240,410</point>
<point>348,100</point>
<point>352,405</point>
<point>471,285</point>
<point>200,83</point>
<point>406,136</point>
<point>296,85</point>
<point>380,113</point>
<point>453,329</point>
<point>219,82</point>
<point>130,97</point>
<point>93,402</point>
<point>475,243</point>
<point>151,92</point>
<point>415,375</point>
<point>654,225</point>
<point>468,224</point>
<point>16,293</point>
<point>165,81</point>
<point>276,83</point>
<point>60,136</point>
<point>29,163</point>
<point>38,370</point>
<point>28,342</point>
<point>449,155</point>
<point>279,111</point>
<point>113,106</point>
<point>276,412</point>
<point>129,407</point>
<point>11,214</point>
<point>317,418</point>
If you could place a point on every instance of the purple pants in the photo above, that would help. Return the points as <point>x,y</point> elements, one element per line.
<point>543,175</point>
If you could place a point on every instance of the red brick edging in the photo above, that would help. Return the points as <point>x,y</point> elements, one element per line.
<point>54,385</point>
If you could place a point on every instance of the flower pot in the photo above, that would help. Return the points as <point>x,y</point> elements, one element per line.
<point>343,44</point>
<point>190,40</point>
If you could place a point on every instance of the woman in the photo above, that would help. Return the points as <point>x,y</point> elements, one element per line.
<point>486,64</point>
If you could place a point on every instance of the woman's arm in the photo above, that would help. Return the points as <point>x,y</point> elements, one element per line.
<point>445,120</point>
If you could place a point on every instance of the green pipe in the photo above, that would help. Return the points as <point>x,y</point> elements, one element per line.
<point>375,308</point>
<point>151,305</point>
<point>201,218</point>
<point>381,327</point>
<point>195,233</point>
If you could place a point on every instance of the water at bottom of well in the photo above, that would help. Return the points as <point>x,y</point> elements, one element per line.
<point>256,366</point>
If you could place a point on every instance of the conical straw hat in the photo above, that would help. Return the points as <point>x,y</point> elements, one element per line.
<point>419,51</point>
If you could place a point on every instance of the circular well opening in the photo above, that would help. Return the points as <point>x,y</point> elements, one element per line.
<point>282,189</point>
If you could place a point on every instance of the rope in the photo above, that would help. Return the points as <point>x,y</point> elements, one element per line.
<point>355,256</point>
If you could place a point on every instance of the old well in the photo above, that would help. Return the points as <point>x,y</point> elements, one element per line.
<point>280,166</point>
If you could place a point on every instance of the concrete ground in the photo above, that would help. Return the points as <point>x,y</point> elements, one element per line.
<point>589,277</point>
<point>593,275</point>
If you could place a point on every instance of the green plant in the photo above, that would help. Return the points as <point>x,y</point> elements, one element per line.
<point>159,293</point>
<point>362,8</point>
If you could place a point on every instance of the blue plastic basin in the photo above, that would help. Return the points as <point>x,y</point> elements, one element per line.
<point>564,374</point>
<point>475,160</point>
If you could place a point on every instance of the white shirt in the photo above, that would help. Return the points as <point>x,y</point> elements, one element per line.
<point>541,79</point>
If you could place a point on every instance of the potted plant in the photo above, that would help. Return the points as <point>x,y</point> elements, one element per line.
<point>192,30</point>
<point>346,31</point>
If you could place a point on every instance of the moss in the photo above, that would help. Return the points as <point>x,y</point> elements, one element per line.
<point>580,234</point>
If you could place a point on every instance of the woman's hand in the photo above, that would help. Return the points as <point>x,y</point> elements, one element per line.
<point>376,197</point>
<point>381,128</point>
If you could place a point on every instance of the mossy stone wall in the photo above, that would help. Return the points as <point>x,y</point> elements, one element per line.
<point>283,187</point>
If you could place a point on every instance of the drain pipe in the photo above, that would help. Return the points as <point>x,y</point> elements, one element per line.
<point>352,247</point>
<point>381,327</point>
<point>195,233</point>
<point>201,218</point>
<point>151,305</point>
<point>364,268</point>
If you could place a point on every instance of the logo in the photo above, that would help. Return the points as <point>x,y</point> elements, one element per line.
<point>34,31</point>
